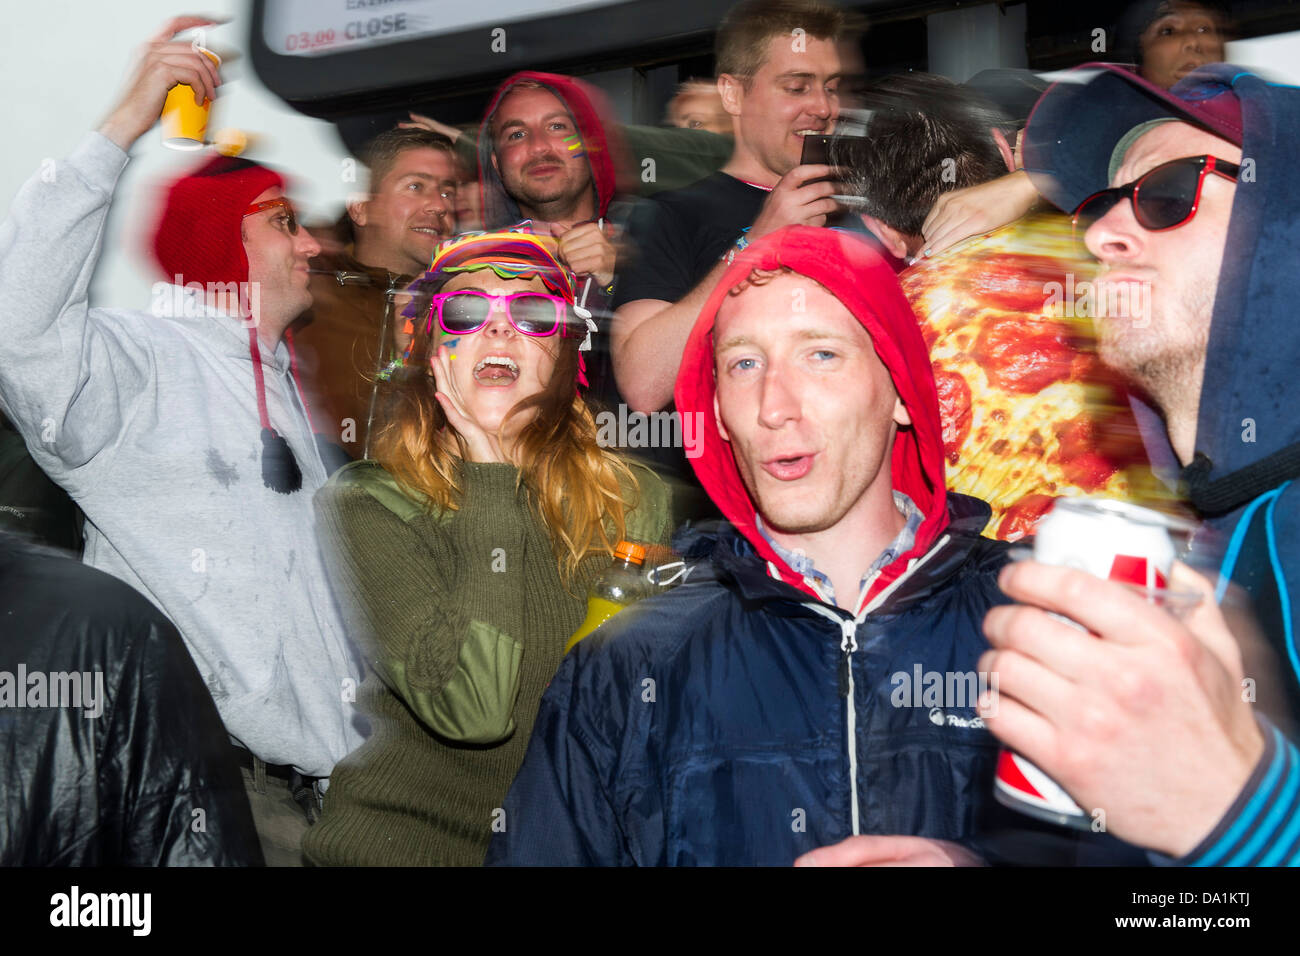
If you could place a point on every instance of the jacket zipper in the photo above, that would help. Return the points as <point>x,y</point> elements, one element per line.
<point>849,644</point>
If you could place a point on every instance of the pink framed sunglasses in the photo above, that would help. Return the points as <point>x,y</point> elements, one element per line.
<point>531,313</point>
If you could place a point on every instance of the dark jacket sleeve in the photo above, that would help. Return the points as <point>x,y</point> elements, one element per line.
<point>1262,827</point>
<point>560,811</point>
<point>130,764</point>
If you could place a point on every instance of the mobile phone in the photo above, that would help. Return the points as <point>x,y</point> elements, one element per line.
<point>847,152</point>
<point>844,152</point>
<point>816,151</point>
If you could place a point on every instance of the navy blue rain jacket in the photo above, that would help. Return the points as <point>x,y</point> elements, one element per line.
<point>741,719</point>
<point>711,725</point>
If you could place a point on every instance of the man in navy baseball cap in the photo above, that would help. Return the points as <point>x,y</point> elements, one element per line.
<point>1190,200</point>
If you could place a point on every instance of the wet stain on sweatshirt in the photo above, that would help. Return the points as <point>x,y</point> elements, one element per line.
<point>225,473</point>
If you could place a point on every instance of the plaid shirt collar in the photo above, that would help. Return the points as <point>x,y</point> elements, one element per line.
<point>903,542</point>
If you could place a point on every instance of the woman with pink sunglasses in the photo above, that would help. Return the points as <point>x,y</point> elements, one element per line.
<point>463,553</point>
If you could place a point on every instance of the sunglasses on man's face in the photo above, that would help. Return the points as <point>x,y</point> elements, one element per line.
<point>531,313</point>
<point>290,217</point>
<point>1163,198</point>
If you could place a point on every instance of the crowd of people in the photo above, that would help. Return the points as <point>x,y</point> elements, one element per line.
<point>341,492</point>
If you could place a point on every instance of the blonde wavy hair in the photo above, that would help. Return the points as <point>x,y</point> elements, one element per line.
<point>571,482</point>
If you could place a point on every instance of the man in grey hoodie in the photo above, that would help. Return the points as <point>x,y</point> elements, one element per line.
<point>181,431</point>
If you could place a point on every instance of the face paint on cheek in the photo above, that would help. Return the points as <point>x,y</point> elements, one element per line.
<point>573,143</point>
<point>451,344</point>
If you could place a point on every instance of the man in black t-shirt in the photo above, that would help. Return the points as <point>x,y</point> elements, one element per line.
<point>779,69</point>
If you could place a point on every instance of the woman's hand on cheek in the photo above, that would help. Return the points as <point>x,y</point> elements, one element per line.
<point>482,447</point>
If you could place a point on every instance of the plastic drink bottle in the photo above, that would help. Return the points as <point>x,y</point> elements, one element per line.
<point>622,583</point>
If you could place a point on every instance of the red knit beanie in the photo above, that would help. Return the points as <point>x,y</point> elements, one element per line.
<point>198,234</point>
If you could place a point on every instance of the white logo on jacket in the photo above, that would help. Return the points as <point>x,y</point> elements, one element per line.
<point>937,716</point>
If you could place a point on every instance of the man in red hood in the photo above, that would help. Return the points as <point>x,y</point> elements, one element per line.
<point>799,696</point>
<point>547,152</point>
<point>818,456</point>
<point>545,155</point>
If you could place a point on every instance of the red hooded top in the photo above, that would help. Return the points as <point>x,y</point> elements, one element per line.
<point>599,135</point>
<point>854,273</point>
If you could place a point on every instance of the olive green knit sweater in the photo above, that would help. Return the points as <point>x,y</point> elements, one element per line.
<point>463,618</point>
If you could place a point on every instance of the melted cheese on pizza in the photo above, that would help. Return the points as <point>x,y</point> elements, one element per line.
<point>1029,413</point>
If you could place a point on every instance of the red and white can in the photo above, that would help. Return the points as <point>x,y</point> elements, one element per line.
<point>1110,539</point>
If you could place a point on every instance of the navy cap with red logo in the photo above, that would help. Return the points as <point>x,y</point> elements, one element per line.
<point>1076,125</point>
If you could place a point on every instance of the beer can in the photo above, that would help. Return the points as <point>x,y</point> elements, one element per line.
<point>1110,539</point>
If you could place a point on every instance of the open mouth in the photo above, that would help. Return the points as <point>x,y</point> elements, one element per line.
<point>789,469</point>
<point>428,231</point>
<point>496,371</point>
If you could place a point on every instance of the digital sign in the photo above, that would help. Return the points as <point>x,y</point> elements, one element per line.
<point>322,27</point>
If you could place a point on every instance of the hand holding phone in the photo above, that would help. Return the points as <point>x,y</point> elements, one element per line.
<point>801,196</point>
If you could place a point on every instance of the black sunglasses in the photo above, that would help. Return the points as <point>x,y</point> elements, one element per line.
<point>1165,197</point>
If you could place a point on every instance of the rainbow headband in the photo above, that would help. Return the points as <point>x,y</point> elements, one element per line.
<point>511,255</point>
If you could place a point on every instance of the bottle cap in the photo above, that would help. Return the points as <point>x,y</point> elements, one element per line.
<point>627,551</point>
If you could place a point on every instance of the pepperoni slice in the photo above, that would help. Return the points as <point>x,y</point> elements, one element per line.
<point>1019,519</point>
<point>954,411</point>
<point>1015,283</point>
<point>1080,455</point>
<point>1025,355</point>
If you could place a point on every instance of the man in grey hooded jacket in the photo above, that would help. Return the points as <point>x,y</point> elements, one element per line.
<point>181,432</point>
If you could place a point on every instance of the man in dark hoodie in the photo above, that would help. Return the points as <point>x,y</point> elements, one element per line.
<point>775,703</point>
<point>1155,721</point>
<point>547,152</point>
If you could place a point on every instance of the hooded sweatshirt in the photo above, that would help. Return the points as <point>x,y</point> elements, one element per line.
<point>1242,479</point>
<point>742,719</point>
<point>598,138</point>
<point>150,421</point>
<point>1244,476</point>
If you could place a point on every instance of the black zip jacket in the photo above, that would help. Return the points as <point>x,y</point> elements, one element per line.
<point>111,750</point>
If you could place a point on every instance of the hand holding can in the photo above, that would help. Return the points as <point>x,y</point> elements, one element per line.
<point>184,119</point>
<point>1119,542</point>
<point>163,63</point>
<point>1141,716</point>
